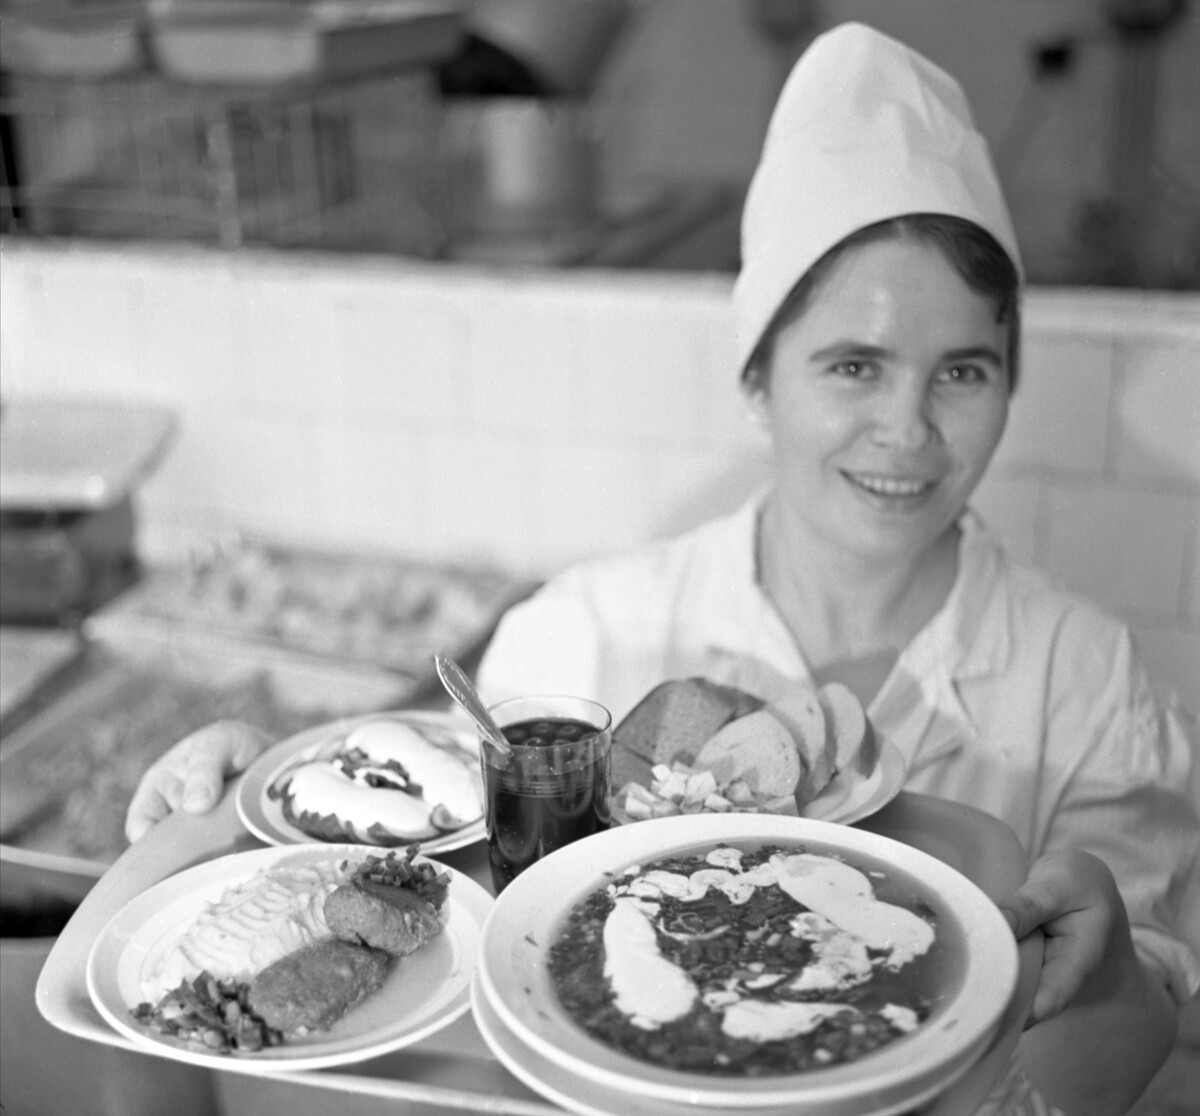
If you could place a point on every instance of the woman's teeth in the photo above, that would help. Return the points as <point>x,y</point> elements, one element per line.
<point>890,486</point>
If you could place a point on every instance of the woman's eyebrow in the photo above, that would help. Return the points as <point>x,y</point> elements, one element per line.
<point>976,352</point>
<point>849,348</point>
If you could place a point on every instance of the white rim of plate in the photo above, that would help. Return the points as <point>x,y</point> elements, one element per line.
<point>917,1065</point>
<point>264,818</point>
<point>863,797</point>
<point>558,1084</point>
<point>153,919</point>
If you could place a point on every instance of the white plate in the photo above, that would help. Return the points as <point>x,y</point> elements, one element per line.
<point>848,798</point>
<point>423,993</point>
<point>514,978</point>
<point>263,815</point>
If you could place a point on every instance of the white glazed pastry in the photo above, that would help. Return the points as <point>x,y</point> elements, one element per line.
<point>385,783</point>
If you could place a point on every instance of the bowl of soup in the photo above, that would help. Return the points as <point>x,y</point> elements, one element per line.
<point>748,962</point>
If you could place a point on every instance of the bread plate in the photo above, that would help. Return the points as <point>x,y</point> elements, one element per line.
<point>693,745</point>
<point>516,989</point>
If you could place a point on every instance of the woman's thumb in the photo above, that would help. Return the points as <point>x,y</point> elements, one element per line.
<point>1022,912</point>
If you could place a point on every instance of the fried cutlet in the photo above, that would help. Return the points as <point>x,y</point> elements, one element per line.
<point>312,988</point>
<point>394,919</point>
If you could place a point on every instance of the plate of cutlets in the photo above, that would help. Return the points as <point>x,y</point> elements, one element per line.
<point>291,957</point>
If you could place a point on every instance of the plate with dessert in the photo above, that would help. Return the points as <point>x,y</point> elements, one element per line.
<point>382,779</point>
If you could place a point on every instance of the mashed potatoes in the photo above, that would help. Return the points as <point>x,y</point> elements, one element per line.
<point>253,924</point>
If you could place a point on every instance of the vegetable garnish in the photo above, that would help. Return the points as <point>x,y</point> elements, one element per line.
<point>390,871</point>
<point>209,1013</point>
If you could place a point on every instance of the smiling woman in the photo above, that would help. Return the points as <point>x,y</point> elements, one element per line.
<point>885,401</point>
<point>885,392</point>
<point>877,338</point>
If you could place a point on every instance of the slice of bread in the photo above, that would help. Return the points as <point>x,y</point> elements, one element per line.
<point>854,744</point>
<point>673,721</point>
<point>628,767</point>
<point>758,749</point>
<point>802,712</point>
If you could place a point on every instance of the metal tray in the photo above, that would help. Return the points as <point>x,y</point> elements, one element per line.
<point>68,772</point>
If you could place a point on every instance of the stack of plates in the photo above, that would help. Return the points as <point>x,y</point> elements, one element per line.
<point>519,1016</point>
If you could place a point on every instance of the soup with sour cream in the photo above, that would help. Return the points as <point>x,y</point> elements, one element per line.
<point>755,960</point>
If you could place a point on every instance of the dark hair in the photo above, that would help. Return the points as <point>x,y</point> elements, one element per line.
<point>971,250</point>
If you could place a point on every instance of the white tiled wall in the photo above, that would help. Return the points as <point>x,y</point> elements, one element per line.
<point>536,417</point>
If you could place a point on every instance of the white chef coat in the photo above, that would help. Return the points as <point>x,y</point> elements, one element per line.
<point>1017,698</point>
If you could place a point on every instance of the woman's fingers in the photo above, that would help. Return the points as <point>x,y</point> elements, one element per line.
<point>192,774</point>
<point>148,805</point>
<point>223,749</point>
<point>1073,899</point>
<point>1071,957</point>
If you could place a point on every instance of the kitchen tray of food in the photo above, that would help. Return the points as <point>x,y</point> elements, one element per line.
<point>386,610</point>
<point>68,773</point>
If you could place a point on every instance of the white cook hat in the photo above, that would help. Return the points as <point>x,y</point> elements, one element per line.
<point>865,129</point>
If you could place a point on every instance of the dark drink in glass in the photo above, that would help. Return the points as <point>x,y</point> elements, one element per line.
<point>553,789</point>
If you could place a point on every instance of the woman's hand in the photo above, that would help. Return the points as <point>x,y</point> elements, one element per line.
<point>1102,1021</point>
<point>192,774</point>
<point>1073,898</point>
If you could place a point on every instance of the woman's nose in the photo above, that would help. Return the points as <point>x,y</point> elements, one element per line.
<point>904,418</point>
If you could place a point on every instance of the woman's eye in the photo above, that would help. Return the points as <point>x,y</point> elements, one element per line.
<point>965,374</point>
<point>852,369</point>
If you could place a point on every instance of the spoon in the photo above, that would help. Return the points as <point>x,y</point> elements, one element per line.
<point>459,687</point>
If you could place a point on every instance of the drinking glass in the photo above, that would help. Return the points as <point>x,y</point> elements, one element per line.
<point>553,788</point>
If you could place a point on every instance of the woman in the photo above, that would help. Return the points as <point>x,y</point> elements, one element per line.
<point>877,313</point>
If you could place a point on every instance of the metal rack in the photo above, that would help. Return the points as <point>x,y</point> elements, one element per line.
<point>351,164</point>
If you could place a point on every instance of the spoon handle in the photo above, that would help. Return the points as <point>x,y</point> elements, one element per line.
<point>459,687</point>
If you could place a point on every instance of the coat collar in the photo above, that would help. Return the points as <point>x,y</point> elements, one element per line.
<point>919,708</point>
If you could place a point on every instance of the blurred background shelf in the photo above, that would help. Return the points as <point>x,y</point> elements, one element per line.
<point>333,165</point>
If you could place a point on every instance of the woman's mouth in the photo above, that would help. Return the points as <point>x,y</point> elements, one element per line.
<point>892,487</point>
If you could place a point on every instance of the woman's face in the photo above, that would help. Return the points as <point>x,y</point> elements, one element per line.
<point>886,398</point>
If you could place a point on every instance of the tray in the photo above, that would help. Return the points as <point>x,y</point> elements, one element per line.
<point>455,1071</point>
<point>385,610</point>
<point>31,661</point>
<point>67,774</point>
